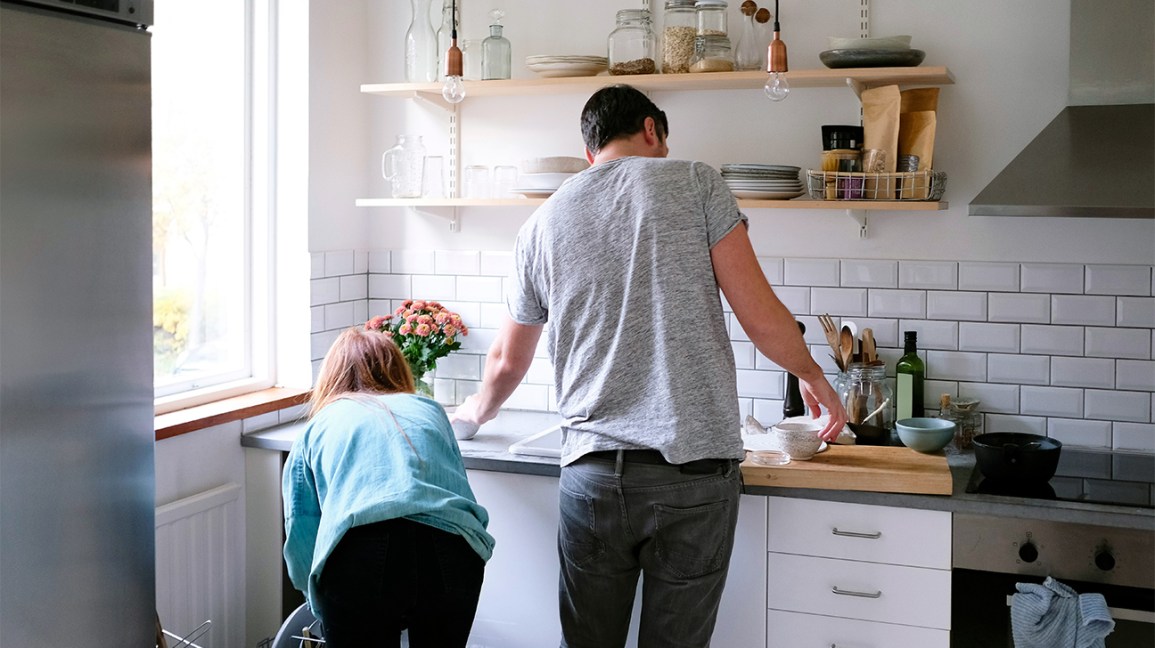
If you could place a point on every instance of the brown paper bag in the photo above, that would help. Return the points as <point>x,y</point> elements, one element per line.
<point>880,112</point>
<point>916,137</point>
<point>919,99</point>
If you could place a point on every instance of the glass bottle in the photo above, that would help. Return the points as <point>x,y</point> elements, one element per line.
<point>420,45</point>
<point>793,405</point>
<point>471,59</point>
<point>680,26</point>
<point>496,52</point>
<point>749,53</point>
<point>632,44</point>
<point>909,374</point>
<point>445,35</point>
<point>868,399</point>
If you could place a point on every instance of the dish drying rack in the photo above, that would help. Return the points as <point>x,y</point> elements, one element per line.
<point>845,185</point>
<point>181,642</point>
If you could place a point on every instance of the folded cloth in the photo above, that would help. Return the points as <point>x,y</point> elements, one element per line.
<point>1053,615</point>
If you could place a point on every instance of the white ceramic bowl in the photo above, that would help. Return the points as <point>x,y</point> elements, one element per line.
<point>546,181</point>
<point>799,440</point>
<point>558,164</point>
<point>882,43</point>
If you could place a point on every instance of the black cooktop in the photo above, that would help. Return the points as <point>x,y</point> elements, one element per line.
<point>1094,476</point>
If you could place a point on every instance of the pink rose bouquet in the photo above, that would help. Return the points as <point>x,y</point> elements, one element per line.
<point>425,331</point>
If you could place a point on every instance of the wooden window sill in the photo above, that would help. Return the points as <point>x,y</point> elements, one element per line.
<point>227,410</point>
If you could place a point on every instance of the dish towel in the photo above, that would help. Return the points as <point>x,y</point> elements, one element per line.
<point>1053,615</point>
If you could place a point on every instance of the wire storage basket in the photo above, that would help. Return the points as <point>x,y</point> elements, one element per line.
<point>842,185</point>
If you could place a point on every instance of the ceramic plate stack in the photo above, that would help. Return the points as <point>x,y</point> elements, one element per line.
<point>763,181</point>
<point>566,65</point>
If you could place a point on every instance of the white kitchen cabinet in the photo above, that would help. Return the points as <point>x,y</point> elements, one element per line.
<point>518,606</point>
<point>857,575</point>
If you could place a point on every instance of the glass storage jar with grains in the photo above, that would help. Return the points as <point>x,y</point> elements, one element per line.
<point>712,18</point>
<point>679,27</point>
<point>632,44</point>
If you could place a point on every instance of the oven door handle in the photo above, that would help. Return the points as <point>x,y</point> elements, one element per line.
<point>1123,614</point>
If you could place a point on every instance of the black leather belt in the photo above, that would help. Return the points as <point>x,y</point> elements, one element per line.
<point>655,458</point>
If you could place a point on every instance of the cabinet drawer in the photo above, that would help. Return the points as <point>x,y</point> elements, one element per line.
<point>859,590</point>
<point>795,630</point>
<point>860,532</point>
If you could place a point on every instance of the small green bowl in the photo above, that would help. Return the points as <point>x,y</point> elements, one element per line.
<point>925,434</point>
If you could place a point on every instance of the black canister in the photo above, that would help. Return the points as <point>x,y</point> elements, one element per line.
<point>841,137</point>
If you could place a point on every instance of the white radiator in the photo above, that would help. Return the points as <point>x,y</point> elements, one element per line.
<point>200,566</point>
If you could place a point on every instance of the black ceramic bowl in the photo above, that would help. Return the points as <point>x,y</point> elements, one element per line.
<point>1017,457</point>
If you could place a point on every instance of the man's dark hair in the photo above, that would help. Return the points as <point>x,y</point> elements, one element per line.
<point>618,111</point>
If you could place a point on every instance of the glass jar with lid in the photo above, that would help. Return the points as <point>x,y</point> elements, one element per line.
<point>869,402</point>
<point>712,54</point>
<point>712,18</point>
<point>680,26</point>
<point>632,44</point>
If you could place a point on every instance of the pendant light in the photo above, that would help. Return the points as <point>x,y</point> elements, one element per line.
<point>453,90</point>
<point>776,86</point>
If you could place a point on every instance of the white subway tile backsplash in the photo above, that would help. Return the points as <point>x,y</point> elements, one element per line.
<point>390,286</point>
<point>360,262</point>
<point>456,262</point>
<point>932,334</point>
<point>768,412</point>
<point>320,342</point>
<point>498,264</point>
<point>1133,344</point>
<point>1133,436</point>
<point>897,303</point>
<point>360,311</point>
<point>540,372</point>
<point>954,365</point>
<point>842,302</point>
<point>1018,369</point>
<point>1083,309</point>
<point>796,299</point>
<point>1082,372</point>
<point>810,272</point>
<point>1051,401</point>
<point>928,275</point>
<point>354,287</point>
<point>469,311</point>
<point>482,289</point>
<point>1118,405</point>
<point>317,265</point>
<point>1015,423</point>
<point>339,316</point>
<point>1135,311</point>
<point>1134,374</point>
<point>460,366</point>
<point>859,273</point>
<point>736,330</point>
<point>772,268</point>
<point>324,291</point>
<point>1052,340</point>
<point>491,315</point>
<point>744,353</point>
<point>995,277</point>
<point>1064,278</point>
<point>760,384</point>
<point>379,262</point>
<point>316,318</point>
<point>1002,399</point>
<point>478,341</point>
<point>1118,280</point>
<point>339,262</point>
<point>435,287</point>
<point>956,305</point>
<point>998,338</point>
<point>1079,432</point>
<point>1017,307</point>
<point>412,261</point>
<point>531,397</point>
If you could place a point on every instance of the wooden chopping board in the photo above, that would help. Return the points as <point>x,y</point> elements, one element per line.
<point>883,469</point>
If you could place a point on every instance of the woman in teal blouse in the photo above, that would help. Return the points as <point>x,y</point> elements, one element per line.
<point>382,529</point>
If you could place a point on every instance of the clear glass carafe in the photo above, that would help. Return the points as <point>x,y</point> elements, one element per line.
<point>496,51</point>
<point>749,53</point>
<point>869,402</point>
<point>679,27</point>
<point>404,167</point>
<point>420,45</point>
<point>632,43</point>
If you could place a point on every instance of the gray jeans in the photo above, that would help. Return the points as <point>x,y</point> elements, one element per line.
<point>674,525</point>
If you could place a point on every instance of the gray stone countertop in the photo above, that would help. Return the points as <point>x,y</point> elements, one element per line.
<point>489,450</point>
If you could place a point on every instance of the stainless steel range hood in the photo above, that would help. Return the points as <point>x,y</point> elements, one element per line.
<point>1098,160</point>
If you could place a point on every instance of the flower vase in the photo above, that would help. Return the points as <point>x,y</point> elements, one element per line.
<point>424,384</point>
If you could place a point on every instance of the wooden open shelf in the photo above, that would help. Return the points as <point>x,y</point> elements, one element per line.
<point>798,203</point>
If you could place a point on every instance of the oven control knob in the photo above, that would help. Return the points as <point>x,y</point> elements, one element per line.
<point>1105,560</point>
<point>1028,552</point>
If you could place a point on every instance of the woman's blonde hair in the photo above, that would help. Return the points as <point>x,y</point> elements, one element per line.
<point>360,363</point>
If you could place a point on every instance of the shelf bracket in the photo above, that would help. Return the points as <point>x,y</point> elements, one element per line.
<point>434,99</point>
<point>452,216</point>
<point>859,216</point>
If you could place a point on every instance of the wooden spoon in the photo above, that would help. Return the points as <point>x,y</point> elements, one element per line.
<point>846,346</point>
<point>869,351</point>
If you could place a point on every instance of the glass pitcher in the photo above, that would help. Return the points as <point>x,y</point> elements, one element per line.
<point>403,166</point>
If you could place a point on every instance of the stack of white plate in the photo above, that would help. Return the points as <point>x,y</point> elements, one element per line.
<point>566,65</point>
<point>539,185</point>
<point>763,181</point>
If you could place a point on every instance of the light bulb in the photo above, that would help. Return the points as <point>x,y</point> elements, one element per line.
<point>776,86</point>
<point>453,90</point>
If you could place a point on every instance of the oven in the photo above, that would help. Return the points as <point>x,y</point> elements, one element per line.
<point>992,553</point>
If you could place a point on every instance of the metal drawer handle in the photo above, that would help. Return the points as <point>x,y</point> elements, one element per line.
<point>854,534</point>
<point>842,592</point>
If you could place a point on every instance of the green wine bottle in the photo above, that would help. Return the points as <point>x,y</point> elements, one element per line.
<point>909,374</point>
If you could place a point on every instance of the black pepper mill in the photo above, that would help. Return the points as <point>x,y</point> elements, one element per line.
<point>793,405</point>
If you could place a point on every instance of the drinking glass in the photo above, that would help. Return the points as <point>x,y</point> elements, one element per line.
<point>504,181</point>
<point>433,178</point>
<point>476,181</point>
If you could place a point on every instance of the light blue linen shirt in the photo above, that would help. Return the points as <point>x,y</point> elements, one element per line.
<point>352,466</point>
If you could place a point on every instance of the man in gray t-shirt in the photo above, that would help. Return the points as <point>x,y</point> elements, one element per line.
<point>625,262</point>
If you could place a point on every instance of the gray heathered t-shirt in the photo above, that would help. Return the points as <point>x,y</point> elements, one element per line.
<point>618,262</point>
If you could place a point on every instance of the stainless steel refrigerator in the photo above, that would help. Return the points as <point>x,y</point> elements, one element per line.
<point>77,479</point>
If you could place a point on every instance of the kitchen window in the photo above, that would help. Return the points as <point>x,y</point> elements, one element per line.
<point>211,215</point>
